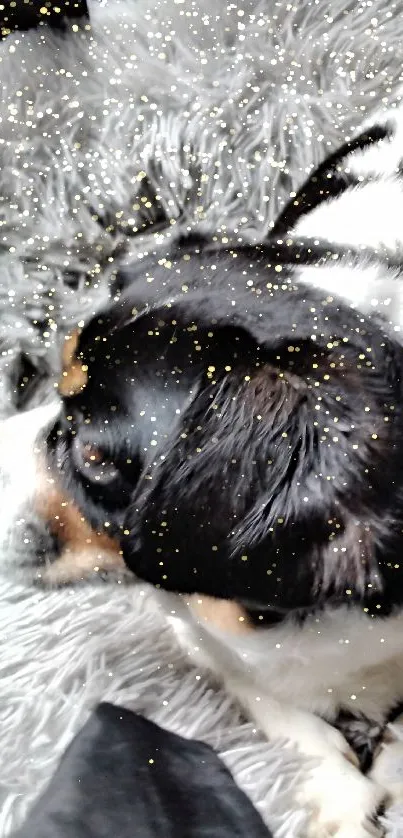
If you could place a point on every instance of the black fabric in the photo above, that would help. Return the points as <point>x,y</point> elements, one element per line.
<point>27,14</point>
<point>123,776</point>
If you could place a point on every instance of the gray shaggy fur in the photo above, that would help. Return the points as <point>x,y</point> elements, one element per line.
<point>183,114</point>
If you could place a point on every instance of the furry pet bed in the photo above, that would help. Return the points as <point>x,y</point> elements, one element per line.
<point>157,118</point>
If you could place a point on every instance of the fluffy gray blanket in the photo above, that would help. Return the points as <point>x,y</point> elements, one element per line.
<point>158,118</point>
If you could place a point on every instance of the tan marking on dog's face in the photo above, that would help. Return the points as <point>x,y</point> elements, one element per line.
<point>75,374</point>
<point>225,615</point>
<point>85,551</point>
<point>76,565</point>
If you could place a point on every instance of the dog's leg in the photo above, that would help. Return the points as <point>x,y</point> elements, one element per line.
<point>387,767</point>
<point>342,801</point>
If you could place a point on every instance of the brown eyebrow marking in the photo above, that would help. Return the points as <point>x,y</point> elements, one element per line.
<point>84,551</point>
<point>74,376</point>
<point>225,615</point>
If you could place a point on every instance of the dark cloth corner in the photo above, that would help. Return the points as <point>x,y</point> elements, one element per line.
<point>27,14</point>
<point>123,776</point>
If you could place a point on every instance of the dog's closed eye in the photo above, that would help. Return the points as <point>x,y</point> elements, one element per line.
<point>93,463</point>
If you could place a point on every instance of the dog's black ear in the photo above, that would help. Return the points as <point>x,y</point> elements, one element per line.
<point>270,486</point>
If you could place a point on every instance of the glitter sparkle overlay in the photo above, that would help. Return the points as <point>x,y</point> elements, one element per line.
<point>155,118</point>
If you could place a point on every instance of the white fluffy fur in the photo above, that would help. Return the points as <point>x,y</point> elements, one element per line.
<point>21,438</point>
<point>356,218</point>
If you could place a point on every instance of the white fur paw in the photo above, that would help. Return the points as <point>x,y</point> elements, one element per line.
<point>342,802</point>
<point>387,767</point>
<point>317,738</point>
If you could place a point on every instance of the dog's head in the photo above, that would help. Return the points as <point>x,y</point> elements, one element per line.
<point>239,434</point>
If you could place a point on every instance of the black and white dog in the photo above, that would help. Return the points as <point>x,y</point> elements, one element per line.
<point>233,426</point>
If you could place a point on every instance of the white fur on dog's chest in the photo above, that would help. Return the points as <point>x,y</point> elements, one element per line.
<point>341,657</point>
<point>334,659</point>
<point>282,676</point>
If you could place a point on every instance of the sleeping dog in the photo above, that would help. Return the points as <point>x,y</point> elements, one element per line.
<point>231,430</point>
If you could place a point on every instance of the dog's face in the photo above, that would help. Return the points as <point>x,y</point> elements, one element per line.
<point>241,436</point>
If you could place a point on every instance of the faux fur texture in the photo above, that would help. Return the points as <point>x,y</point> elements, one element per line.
<point>186,114</point>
